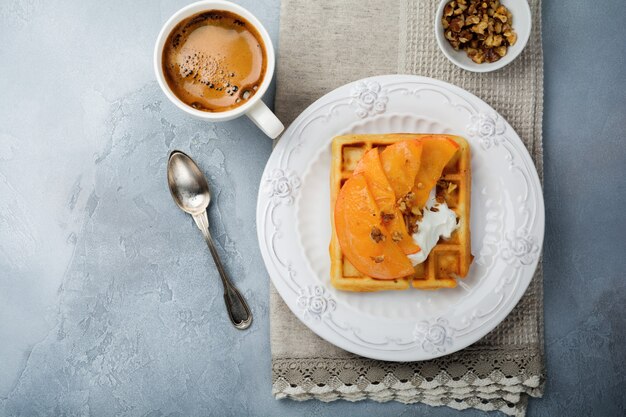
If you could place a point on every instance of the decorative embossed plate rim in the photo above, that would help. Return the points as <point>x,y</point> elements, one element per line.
<point>507,221</point>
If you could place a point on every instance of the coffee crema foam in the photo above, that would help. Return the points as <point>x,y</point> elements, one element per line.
<point>214,61</point>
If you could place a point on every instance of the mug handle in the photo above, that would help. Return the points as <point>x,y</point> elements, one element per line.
<point>267,121</point>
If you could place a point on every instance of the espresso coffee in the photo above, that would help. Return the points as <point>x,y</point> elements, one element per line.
<point>214,61</point>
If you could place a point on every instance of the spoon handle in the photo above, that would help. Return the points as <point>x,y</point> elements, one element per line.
<point>237,307</point>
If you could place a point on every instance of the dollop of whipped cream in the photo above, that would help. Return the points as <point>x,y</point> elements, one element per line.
<point>432,226</point>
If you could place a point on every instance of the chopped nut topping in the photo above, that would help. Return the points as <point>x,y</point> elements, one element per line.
<point>445,189</point>
<point>411,219</point>
<point>377,235</point>
<point>456,24</point>
<point>434,209</point>
<point>405,204</point>
<point>511,37</point>
<point>420,186</point>
<point>386,218</point>
<point>378,259</point>
<point>412,227</point>
<point>481,28</point>
<point>396,236</point>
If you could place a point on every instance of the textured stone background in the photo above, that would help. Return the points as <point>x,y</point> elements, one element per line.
<point>109,301</point>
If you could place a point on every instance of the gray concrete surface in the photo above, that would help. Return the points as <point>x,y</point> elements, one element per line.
<point>109,303</point>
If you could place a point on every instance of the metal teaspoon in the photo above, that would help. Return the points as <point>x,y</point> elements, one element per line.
<point>190,191</point>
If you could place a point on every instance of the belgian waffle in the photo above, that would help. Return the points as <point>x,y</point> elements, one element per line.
<point>449,259</point>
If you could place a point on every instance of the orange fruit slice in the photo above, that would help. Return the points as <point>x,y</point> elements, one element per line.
<point>385,198</point>
<point>437,151</point>
<point>366,244</point>
<point>401,162</point>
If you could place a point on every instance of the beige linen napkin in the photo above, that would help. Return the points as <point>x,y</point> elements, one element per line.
<point>327,43</point>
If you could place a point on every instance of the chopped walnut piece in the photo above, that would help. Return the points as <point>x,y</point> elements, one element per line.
<point>386,218</point>
<point>500,17</point>
<point>446,186</point>
<point>511,37</point>
<point>378,259</point>
<point>465,36</point>
<point>412,227</point>
<point>477,56</point>
<point>377,235</point>
<point>491,55</point>
<point>405,203</point>
<point>456,24</point>
<point>471,20</point>
<point>396,236</point>
<point>481,28</point>
<point>434,209</point>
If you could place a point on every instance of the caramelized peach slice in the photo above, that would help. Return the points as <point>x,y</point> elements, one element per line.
<point>391,218</point>
<point>366,244</point>
<point>401,162</point>
<point>437,152</point>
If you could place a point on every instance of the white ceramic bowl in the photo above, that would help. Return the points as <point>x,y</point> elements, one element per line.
<point>522,25</point>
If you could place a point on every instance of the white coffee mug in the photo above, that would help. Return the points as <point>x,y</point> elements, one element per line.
<point>254,107</point>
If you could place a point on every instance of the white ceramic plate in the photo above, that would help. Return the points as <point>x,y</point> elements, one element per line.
<point>507,221</point>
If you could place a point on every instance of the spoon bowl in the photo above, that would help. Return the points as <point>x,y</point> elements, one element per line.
<point>189,187</point>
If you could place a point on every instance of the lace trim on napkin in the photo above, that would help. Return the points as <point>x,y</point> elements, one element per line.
<point>492,382</point>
